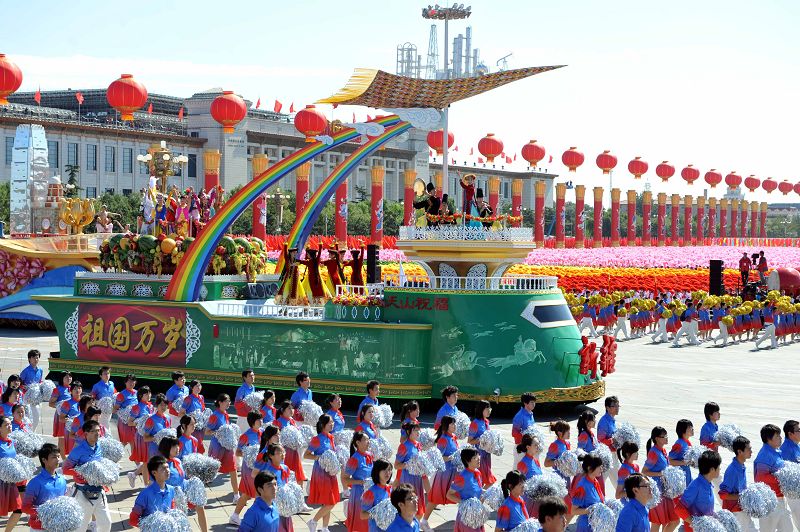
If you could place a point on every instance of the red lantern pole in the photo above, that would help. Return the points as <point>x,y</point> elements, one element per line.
<point>409,176</point>
<point>211,159</point>
<point>676,205</point>
<point>260,164</point>
<point>723,218</point>
<point>647,206</point>
<point>734,218</point>
<point>712,217</point>
<point>516,203</point>
<point>341,213</point>
<point>597,239</point>
<point>754,219</point>
<point>687,220</point>
<point>580,215</point>
<point>539,189</point>
<point>763,219</point>
<point>701,213</point>
<point>743,218</point>
<point>376,204</point>
<point>661,216</point>
<point>494,193</point>
<point>561,192</point>
<point>615,193</point>
<point>631,232</point>
<point>301,188</point>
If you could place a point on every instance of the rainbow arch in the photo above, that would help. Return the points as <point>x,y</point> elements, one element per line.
<point>188,277</point>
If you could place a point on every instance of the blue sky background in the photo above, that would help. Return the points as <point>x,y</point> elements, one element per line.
<point>711,83</point>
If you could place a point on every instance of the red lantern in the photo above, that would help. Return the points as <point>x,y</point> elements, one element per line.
<point>797,188</point>
<point>637,167</point>
<point>606,162</point>
<point>572,158</point>
<point>490,147</point>
<point>690,174</point>
<point>785,187</point>
<point>665,171</point>
<point>10,78</point>
<point>533,153</point>
<point>713,178</point>
<point>769,185</point>
<point>436,140</point>
<point>228,109</point>
<point>733,180</point>
<point>752,183</point>
<point>310,122</point>
<point>126,95</point>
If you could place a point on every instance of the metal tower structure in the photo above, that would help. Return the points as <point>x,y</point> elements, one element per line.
<point>431,66</point>
<point>408,61</point>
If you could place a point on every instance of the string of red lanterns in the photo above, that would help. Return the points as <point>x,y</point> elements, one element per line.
<point>637,167</point>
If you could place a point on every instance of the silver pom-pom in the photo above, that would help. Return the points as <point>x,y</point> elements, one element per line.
<point>249,455</point>
<point>330,462</point>
<point>12,470</point>
<point>291,438</point>
<point>462,425</point>
<point>102,472</point>
<point>195,491</point>
<point>383,514</point>
<point>33,394</point>
<point>180,500</point>
<point>343,438</point>
<point>201,466</point>
<point>310,411</point>
<point>380,448</point>
<point>615,505</point>
<point>367,484</point>
<point>692,454</point>
<point>28,466</point>
<point>567,464</point>
<point>625,433</point>
<point>436,459</point>
<point>491,441</point>
<point>473,513</point>
<point>604,453</point>
<point>164,433</point>
<point>758,500</point>
<point>46,390</point>
<point>427,438</point>
<point>492,497</point>
<point>419,466</point>
<point>228,436</point>
<point>674,481</point>
<point>26,443</point>
<point>253,401</point>
<point>548,484</point>
<point>141,421</point>
<point>170,521</point>
<point>528,525</point>
<point>725,435</point>
<point>602,518</point>
<point>177,404</point>
<point>707,523</point>
<point>111,448</point>
<point>537,434</point>
<point>383,415</point>
<point>308,434</point>
<point>655,491</point>
<point>728,521</point>
<point>201,418</point>
<point>457,462</point>
<point>289,499</point>
<point>124,415</point>
<point>60,514</point>
<point>343,454</point>
<point>106,406</point>
<point>789,479</point>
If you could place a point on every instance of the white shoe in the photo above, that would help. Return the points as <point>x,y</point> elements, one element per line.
<point>236,497</point>
<point>132,479</point>
<point>306,509</point>
<point>93,526</point>
<point>235,520</point>
<point>312,525</point>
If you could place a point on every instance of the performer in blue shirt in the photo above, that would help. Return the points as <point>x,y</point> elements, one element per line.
<point>333,403</point>
<point>735,482</point>
<point>33,374</point>
<point>45,486</point>
<point>790,452</point>
<point>633,517</point>
<point>178,389</point>
<point>303,393</point>
<point>405,501</point>
<point>158,496</point>
<point>262,515</point>
<point>449,408</point>
<point>467,484</point>
<point>698,499</point>
<point>587,491</point>
<point>373,389</point>
<point>247,388</point>
<point>685,430</point>
<point>524,418</point>
<point>513,511</point>
<point>552,515</point>
<point>92,499</point>
<point>104,387</point>
<point>709,429</point>
<point>606,428</point>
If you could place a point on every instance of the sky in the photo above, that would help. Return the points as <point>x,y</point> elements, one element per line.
<point>711,83</point>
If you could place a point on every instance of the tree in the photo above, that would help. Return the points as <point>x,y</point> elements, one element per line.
<point>126,206</point>
<point>72,188</point>
<point>5,203</point>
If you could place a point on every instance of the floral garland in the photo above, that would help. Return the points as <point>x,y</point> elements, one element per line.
<point>447,218</point>
<point>350,299</point>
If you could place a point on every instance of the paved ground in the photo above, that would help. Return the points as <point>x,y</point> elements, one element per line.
<point>657,385</point>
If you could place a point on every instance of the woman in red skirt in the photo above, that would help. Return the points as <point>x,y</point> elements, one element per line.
<point>60,393</point>
<point>324,487</point>
<point>128,397</point>
<point>448,445</point>
<point>356,471</point>
<point>215,449</point>
<point>10,500</point>
<point>285,412</point>
<point>252,436</point>
<point>139,446</point>
<point>663,517</point>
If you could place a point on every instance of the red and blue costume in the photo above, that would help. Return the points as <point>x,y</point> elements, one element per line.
<point>60,393</point>
<point>338,420</point>
<point>246,486</point>
<point>406,452</point>
<point>372,497</point>
<point>324,487</point>
<point>359,467</point>
<point>697,500</point>
<point>368,429</point>
<point>511,513</point>
<point>292,456</point>
<point>193,403</point>
<point>139,447</point>
<point>587,440</point>
<point>586,493</point>
<point>269,413</point>
<point>677,452</point>
<point>124,399</point>
<point>448,446</point>
<point>215,449</point>
<point>664,513</point>
<point>468,484</point>
<point>152,426</point>
<point>476,430</point>
<point>522,420</point>
<point>10,500</point>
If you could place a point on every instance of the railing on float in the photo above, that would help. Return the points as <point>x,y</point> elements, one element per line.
<point>270,311</point>
<point>507,282</point>
<point>370,289</point>
<point>464,232</point>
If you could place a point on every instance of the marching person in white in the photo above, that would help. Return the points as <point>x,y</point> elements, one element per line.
<point>622,323</point>
<point>723,334</point>
<point>587,320</point>
<point>92,499</point>
<point>33,374</point>
<point>688,328</point>
<point>660,334</point>
<point>769,334</point>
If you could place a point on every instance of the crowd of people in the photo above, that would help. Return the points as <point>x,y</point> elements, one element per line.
<point>365,480</point>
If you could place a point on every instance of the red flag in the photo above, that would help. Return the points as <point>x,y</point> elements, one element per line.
<point>369,118</point>
<point>471,151</point>
<point>551,159</point>
<point>354,118</point>
<point>180,114</point>
<point>508,160</point>
<point>453,162</point>
<point>480,160</point>
<point>515,156</point>
<point>150,108</point>
<point>38,96</point>
<point>258,102</point>
<point>335,105</point>
<point>79,97</point>
<point>430,153</point>
<point>277,107</point>
<point>291,108</point>
<point>455,148</point>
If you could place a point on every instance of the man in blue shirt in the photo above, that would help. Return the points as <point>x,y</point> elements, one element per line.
<point>104,388</point>
<point>790,452</point>
<point>373,389</point>
<point>734,482</point>
<point>262,515</point>
<point>303,393</point>
<point>449,408</point>
<point>92,499</point>
<point>178,389</point>
<point>406,503</point>
<point>767,462</point>
<point>247,387</point>
<point>552,515</point>
<point>698,499</point>
<point>33,374</point>
<point>522,420</point>
<point>634,516</point>
<point>45,486</point>
<point>606,428</point>
<point>158,496</point>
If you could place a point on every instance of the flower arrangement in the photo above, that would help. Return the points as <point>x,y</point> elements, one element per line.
<point>16,271</point>
<point>349,299</point>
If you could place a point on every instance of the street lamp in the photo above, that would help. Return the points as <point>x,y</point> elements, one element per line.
<point>162,162</point>
<point>456,12</point>
<point>281,199</point>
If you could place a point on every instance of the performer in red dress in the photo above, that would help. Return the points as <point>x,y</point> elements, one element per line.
<point>324,487</point>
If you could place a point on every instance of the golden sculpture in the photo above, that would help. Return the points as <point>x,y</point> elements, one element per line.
<point>76,213</point>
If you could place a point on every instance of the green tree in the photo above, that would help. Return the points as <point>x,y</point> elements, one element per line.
<point>72,190</point>
<point>5,203</point>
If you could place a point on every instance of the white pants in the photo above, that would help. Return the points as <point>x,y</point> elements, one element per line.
<point>745,522</point>
<point>613,475</point>
<point>661,332</point>
<point>36,414</point>
<point>97,508</point>
<point>242,422</point>
<point>688,329</point>
<point>723,334</point>
<point>175,420</point>
<point>587,322</point>
<point>778,520</point>
<point>769,333</point>
<point>794,507</point>
<point>622,326</point>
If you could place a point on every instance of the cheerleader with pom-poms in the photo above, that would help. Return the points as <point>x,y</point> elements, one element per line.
<point>366,422</point>
<point>529,466</point>
<point>662,516</point>
<point>268,410</point>
<point>357,469</point>
<point>194,404</point>
<point>586,438</point>
<point>143,407</point>
<point>10,500</point>
<point>587,491</point>
<point>187,441</point>
<point>558,447</point>
<point>69,409</point>
<point>447,444</point>
<point>513,511</point>
<point>380,490</point>
<point>477,427</point>
<point>408,450</point>
<point>285,418</point>
<point>332,405</point>
<point>215,449</point>
<point>324,488</point>
<point>685,430</point>
<point>467,485</point>
<point>628,453</point>
<point>252,436</point>
<point>126,398</point>
<point>71,429</point>
<point>169,448</point>
<point>157,422</point>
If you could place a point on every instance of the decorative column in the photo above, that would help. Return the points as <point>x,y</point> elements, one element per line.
<point>701,213</point>
<point>561,192</point>
<point>661,218</point>
<point>211,160</point>
<point>687,220</point>
<point>494,193</point>
<point>647,206</point>
<point>676,205</point>
<point>763,229</point>
<point>754,219</point>
<point>744,204</point>
<point>615,193</point>
<point>260,164</point>
<point>734,218</point>
<point>301,188</point>
<point>631,233</point>
<point>341,213</point>
<point>437,182</point>
<point>376,205</point>
<point>597,240</point>
<point>723,218</point>
<point>539,188</point>
<point>516,203</point>
<point>580,215</point>
<point>712,218</point>
<point>409,176</point>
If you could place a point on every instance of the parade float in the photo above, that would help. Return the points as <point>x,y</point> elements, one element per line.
<point>453,316</point>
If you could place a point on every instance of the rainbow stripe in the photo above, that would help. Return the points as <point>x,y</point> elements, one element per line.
<point>188,277</point>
